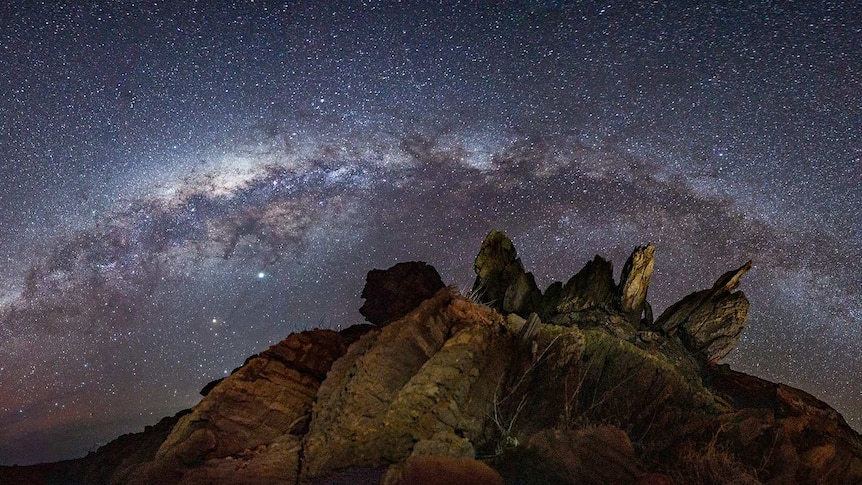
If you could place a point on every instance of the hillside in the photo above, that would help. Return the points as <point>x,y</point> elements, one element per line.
<point>579,383</point>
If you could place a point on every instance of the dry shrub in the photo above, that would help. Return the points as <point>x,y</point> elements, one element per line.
<point>710,464</point>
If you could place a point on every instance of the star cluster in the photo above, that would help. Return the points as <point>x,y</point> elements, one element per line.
<point>184,185</point>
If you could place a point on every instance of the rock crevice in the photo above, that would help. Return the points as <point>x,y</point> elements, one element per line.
<point>575,384</point>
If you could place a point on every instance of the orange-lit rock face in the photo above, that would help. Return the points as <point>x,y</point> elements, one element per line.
<point>454,391</point>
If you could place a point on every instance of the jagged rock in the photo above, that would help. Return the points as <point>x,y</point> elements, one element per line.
<point>634,282</point>
<point>591,288</point>
<point>709,322</point>
<point>522,296</point>
<point>501,280</point>
<point>252,421</point>
<point>425,377</point>
<point>589,299</point>
<point>452,382</point>
<point>647,320</point>
<point>392,293</point>
<point>550,299</point>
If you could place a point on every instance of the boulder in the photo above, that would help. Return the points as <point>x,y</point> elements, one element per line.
<point>392,293</point>
<point>710,321</point>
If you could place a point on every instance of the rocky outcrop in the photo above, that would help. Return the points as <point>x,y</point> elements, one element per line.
<point>582,390</point>
<point>807,441</point>
<point>390,294</point>
<point>421,383</point>
<point>709,322</point>
<point>251,423</point>
<point>501,281</point>
<point>634,283</point>
<point>590,297</point>
<point>591,287</point>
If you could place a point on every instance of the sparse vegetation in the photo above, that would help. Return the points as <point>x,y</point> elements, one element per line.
<point>710,464</point>
<point>505,420</point>
<point>476,295</point>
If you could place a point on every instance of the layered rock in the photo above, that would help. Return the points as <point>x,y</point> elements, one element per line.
<point>422,382</point>
<point>709,322</point>
<point>634,284</point>
<point>251,423</point>
<point>501,281</point>
<point>582,390</point>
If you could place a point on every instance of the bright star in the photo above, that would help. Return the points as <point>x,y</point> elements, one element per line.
<point>261,275</point>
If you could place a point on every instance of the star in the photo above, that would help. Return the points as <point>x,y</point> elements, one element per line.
<point>142,181</point>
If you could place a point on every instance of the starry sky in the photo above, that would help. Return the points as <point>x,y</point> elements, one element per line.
<point>186,183</point>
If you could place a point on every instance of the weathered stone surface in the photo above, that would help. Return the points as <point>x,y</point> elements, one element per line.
<point>709,322</point>
<point>252,420</point>
<point>422,379</point>
<point>589,299</point>
<point>550,299</point>
<point>522,296</point>
<point>590,288</point>
<point>501,281</point>
<point>805,440</point>
<point>620,382</point>
<point>392,293</point>
<point>634,282</point>
<point>452,382</point>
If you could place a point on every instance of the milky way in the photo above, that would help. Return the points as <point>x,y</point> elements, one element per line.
<point>184,185</point>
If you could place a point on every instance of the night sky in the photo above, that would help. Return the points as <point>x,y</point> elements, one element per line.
<point>183,185</point>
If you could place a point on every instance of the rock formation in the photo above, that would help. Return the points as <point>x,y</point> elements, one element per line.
<point>575,384</point>
<point>501,281</point>
<point>390,294</point>
<point>709,322</point>
<point>250,423</point>
<point>634,282</point>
